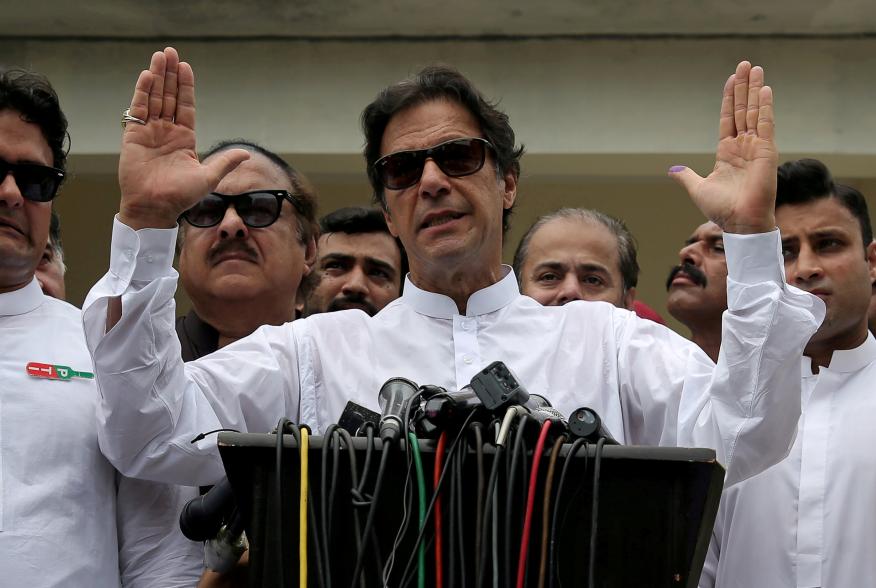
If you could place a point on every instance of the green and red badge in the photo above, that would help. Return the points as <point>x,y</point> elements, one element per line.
<point>55,372</point>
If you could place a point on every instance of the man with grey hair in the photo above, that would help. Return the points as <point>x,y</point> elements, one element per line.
<point>51,269</point>
<point>578,254</point>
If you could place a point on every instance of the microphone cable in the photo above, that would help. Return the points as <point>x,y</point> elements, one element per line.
<point>510,528</point>
<point>303,447</point>
<point>327,495</point>
<point>530,503</point>
<point>553,562</point>
<point>450,451</point>
<point>439,522</point>
<point>491,498</point>
<point>479,503</point>
<point>546,509</point>
<point>354,481</point>
<point>278,489</point>
<point>594,514</point>
<point>421,493</point>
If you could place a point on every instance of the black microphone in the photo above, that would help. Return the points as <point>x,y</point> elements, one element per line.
<point>202,517</point>
<point>586,424</point>
<point>393,399</point>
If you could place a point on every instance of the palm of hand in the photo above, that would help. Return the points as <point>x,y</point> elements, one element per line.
<point>744,173</point>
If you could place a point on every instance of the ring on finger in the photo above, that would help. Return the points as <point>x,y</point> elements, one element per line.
<point>126,118</point>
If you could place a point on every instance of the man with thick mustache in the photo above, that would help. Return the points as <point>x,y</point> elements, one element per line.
<point>243,256</point>
<point>444,166</point>
<point>807,521</point>
<point>697,287</point>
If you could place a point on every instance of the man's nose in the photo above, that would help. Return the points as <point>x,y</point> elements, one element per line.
<point>356,282</point>
<point>691,254</point>
<point>10,195</point>
<point>806,267</point>
<point>433,181</point>
<point>569,289</point>
<point>232,226</point>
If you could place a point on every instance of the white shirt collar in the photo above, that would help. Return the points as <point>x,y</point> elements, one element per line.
<point>21,301</point>
<point>489,299</point>
<point>846,360</point>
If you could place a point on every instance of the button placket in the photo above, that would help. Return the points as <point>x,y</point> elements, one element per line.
<point>467,353</point>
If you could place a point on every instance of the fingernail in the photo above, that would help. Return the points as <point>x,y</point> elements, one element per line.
<point>676,168</point>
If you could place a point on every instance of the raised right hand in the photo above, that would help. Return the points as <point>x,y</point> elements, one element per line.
<point>160,176</point>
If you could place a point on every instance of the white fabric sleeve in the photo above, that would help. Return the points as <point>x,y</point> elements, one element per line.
<point>746,407</point>
<point>152,549</point>
<point>152,405</point>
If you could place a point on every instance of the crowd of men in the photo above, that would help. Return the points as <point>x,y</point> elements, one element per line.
<point>295,316</point>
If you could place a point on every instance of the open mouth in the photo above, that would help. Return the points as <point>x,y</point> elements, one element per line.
<point>441,219</point>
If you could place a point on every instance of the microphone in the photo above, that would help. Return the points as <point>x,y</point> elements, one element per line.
<point>201,517</point>
<point>586,424</point>
<point>393,398</point>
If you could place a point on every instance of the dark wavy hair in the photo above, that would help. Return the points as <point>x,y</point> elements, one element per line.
<point>439,82</point>
<point>807,180</point>
<point>32,96</point>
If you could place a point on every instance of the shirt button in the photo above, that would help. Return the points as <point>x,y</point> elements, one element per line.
<point>466,326</point>
<point>467,359</point>
<point>149,259</point>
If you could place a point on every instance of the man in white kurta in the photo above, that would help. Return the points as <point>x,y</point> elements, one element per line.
<point>807,522</point>
<point>461,308</point>
<point>67,518</point>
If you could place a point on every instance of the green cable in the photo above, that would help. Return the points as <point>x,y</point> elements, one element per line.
<point>421,492</point>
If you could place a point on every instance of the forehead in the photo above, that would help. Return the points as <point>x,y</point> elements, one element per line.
<point>427,124</point>
<point>707,231</point>
<point>817,215</point>
<point>256,173</point>
<point>377,244</point>
<point>22,142</point>
<point>574,241</point>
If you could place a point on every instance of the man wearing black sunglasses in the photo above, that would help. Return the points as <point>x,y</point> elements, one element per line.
<point>444,167</point>
<point>244,250</point>
<point>66,516</point>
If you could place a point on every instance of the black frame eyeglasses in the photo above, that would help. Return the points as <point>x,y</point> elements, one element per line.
<point>37,183</point>
<point>456,158</point>
<point>257,209</point>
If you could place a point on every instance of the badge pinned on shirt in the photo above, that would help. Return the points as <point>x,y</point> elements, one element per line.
<point>55,372</point>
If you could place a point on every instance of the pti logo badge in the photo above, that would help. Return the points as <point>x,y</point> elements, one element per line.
<point>55,372</point>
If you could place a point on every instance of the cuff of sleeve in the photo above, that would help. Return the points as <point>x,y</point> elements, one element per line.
<point>756,258</point>
<point>142,255</point>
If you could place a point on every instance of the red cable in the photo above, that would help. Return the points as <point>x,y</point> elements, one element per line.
<point>439,555</point>
<point>530,503</point>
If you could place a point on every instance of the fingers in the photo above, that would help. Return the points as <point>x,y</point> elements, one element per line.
<point>221,164</point>
<point>766,128</point>
<point>185,100</point>
<point>687,177</point>
<point>140,100</point>
<point>168,107</point>
<point>740,96</point>
<point>727,125</point>
<point>755,83</point>
<point>156,93</point>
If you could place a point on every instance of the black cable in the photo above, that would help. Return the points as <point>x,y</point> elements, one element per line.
<point>491,487</point>
<point>460,504</point>
<point>354,481</point>
<point>512,530</point>
<point>278,491</point>
<point>325,501</point>
<point>594,515</point>
<point>450,452</point>
<point>451,526</point>
<point>314,538</point>
<point>385,450</point>
<point>479,513</point>
<point>552,556</point>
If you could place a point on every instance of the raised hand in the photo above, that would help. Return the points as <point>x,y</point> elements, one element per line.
<point>740,193</point>
<point>160,176</point>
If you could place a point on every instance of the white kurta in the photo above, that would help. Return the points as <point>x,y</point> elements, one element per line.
<point>67,518</point>
<point>810,521</point>
<point>650,385</point>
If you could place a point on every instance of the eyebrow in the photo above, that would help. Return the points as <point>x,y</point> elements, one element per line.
<point>346,258</point>
<point>557,265</point>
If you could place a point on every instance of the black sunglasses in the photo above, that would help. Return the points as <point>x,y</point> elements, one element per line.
<point>38,183</point>
<point>257,209</point>
<point>456,158</point>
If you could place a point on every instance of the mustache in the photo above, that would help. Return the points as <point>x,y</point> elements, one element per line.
<point>690,270</point>
<point>233,246</point>
<point>343,302</point>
